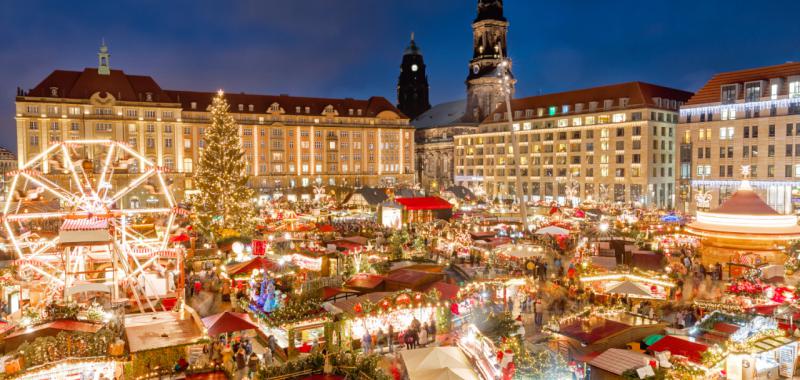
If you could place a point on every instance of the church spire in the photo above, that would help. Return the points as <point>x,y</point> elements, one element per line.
<point>103,64</point>
<point>412,85</point>
<point>490,10</point>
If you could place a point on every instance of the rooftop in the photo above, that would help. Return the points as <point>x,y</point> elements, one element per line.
<point>65,84</point>
<point>712,90</point>
<point>638,95</point>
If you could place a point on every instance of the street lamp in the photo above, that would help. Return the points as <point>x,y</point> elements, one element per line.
<point>603,227</point>
<point>503,72</point>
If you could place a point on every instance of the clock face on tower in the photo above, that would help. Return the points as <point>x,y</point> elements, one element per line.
<point>475,69</point>
<point>414,67</point>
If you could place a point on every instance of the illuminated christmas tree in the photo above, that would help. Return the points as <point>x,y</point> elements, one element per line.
<point>224,205</point>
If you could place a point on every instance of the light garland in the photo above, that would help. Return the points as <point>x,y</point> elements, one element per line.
<point>760,105</point>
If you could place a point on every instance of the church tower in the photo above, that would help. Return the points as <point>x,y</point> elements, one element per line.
<point>489,49</point>
<point>103,64</point>
<point>412,85</point>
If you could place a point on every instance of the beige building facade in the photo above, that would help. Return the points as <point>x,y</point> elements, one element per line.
<point>290,142</point>
<point>748,118</point>
<point>606,144</point>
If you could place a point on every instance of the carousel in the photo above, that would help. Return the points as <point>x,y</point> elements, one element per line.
<point>744,230</point>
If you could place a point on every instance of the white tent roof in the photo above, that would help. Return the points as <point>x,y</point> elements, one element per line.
<point>630,288</point>
<point>552,230</point>
<point>617,360</point>
<point>438,363</point>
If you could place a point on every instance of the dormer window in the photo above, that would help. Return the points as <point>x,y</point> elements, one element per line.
<point>540,112</point>
<point>565,108</point>
<point>752,91</point>
<point>592,106</point>
<point>623,102</point>
<point>608,103</point>
<point>350,112</point>
<point>275,108</point>
<point>528,113</point>
<point>193,105</point>
<point>517,114</point>
<point>329,110</point>
<point>579,107</point>
<point>297,109</point>
<point>53,91</point>
<point>250,107</point>
<point>794,89</point>
<point>241,107</point>
<point>308,109</point>
<point>359,112</point>
<point>728,94</point>
<point>148,96</point>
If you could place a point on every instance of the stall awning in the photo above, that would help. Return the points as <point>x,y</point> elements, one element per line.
<point>247,267</point>
<point>424,203</point>
<point>227,322</point>
<point>677,346</point>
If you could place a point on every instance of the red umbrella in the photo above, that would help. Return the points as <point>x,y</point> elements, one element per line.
<point>226,322</point>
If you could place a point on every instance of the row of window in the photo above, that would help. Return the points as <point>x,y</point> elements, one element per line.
<point>572,172</point>
<point>726,171</point>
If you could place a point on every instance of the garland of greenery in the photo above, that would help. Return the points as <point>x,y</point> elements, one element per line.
<point>292,311</point>
<point>67,344</point>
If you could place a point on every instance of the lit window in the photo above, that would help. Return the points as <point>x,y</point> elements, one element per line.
<point>563,122</point>
<point>576,121</point>
<point>618,117</point>
<point>794,89</point>
<point>723,133</point>
<point>773,92</point>
<point>565,108</point>
<point>589,120</point>
<point>552,111</point>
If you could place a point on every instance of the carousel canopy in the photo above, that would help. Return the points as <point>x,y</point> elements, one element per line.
<point>227,322</point>
<point>745,213</point>
<point>552,230</point>
<point>436,363</point>
<point>247,267</point>
<point>630,288</point>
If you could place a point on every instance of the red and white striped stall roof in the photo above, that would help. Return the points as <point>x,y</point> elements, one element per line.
<point>87,224</point>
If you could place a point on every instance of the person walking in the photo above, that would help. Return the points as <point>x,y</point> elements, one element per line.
<point>241,363</point>
<point>378,339</point>
<point>390,338</point>
<point>537,312</point>
<point>423,336</point>
<point>252,364</point>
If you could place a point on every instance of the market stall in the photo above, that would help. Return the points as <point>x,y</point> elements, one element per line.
<point>370,312</point>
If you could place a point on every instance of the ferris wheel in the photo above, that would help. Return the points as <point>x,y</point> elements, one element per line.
<point>93,216</point>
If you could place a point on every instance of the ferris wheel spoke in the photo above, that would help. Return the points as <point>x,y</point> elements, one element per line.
<point>127,189</point>
<point>102,187</point>
<point>51,187</point>
<point>71,167</point>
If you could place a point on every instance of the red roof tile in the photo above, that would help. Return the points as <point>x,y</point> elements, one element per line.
<point>126,87</point>
<point>712,90</point>
<point>639,94</point>
<point>424,203</point>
